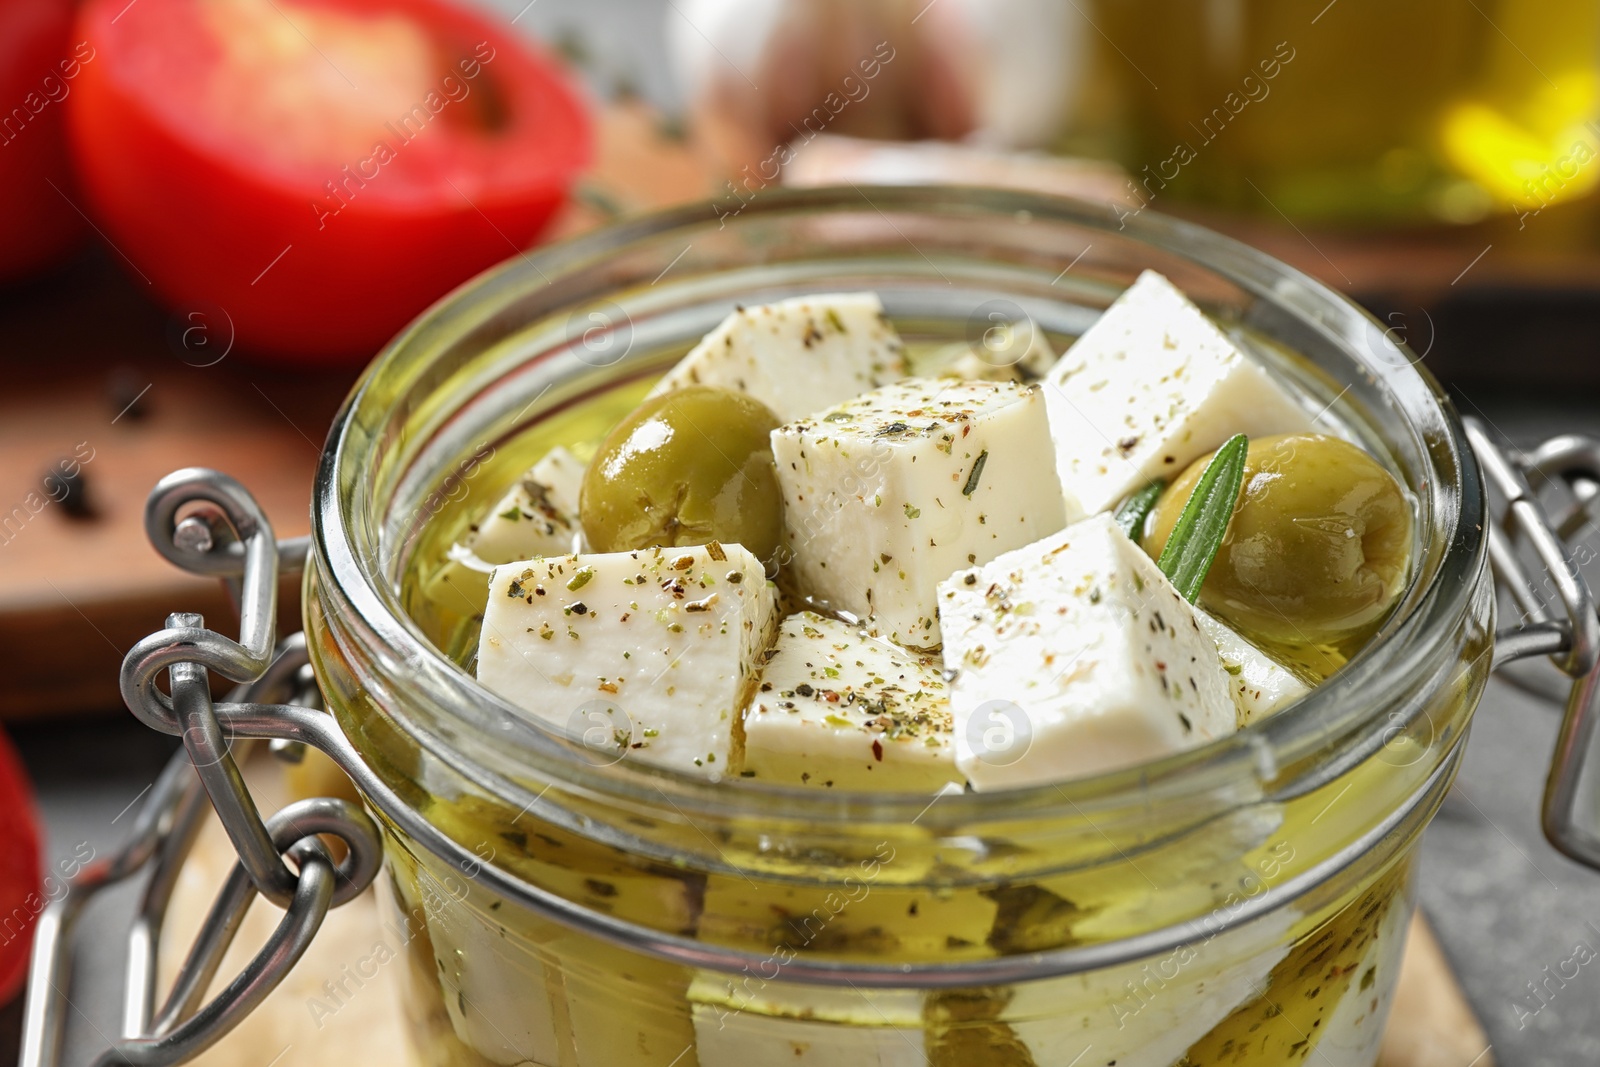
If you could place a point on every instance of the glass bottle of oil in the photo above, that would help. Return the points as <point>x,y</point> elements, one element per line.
<point>1359,110</point>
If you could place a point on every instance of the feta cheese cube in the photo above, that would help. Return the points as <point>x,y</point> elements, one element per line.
<point>752,1022</point>
<point>1149,388</point>
<point>797,356</point>
<point>1147,1013</point>
<point>1008,352</point>
<point>1075,655</point>
<point>538,516</point>
<point>648,655</point>
<point>1261,685</point>
<point>1353,1032</point>
<point>886,494</point>
<point>836,708</point>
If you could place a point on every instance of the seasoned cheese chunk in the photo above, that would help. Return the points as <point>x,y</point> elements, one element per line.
<point>538,516</point>
<point>797,356</point>
<point>648,654</point>
<point>752,1022</point>
<point>502,1000</point>
<point>1075,655</point>
<point>1261,685</point>
<point>1150,387</point>
<point>838,709</point>
<point>1353,1031</point>
<point>1007,352</point>
<point>886,494</point>
<point>1147,1013</point>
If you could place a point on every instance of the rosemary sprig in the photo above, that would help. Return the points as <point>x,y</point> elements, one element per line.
<point>1198,533</point>
<point>1134,510</point>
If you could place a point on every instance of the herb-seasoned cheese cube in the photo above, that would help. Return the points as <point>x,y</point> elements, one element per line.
<point>502,1000</point>
<point>838,709</point>
<point>797,356</point>
<point>1150,387</point>
<point>1076,655</point>
<point>748,1021</point>
<point>1261,685</point>
<point>886,494</point>
<point>1147,1013</point>
<point>649,654</point>
<point>538,516</point>
<point>1353,1032</point>
<point>1007,352</point>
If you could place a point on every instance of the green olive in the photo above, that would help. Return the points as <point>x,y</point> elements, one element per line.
<point>1319,545</point>
<point>687,467</point>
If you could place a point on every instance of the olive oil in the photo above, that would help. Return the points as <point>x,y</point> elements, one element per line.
<point>1358,110</point>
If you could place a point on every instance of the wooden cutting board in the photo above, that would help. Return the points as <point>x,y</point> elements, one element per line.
<point>1431,1024</point>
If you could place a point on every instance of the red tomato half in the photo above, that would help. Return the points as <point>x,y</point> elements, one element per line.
<point>37,69</point>
<point>20,897</point>
<point>319,170</point>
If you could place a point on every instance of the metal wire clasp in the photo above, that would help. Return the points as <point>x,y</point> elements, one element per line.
<point>1558,618</point>
<point>206,523</point>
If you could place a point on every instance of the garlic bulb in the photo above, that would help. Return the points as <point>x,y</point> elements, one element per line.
<point>758,74</point>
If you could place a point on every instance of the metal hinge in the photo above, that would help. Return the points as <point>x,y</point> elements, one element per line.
<point>1557,617</point>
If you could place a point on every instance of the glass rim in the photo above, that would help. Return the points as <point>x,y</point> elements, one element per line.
<point>1345,719</point>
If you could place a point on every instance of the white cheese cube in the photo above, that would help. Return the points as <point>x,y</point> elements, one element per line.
<point>1353,1031</point>
<point>1150,387</point>
<point>502,1001</point>
<point>747,1021</point>
<point>1007,352</point>
<point>538,516</point>
<point>648,654</point>
<point>1147,1013</point>
<point>838,709</point>
<point>797,356</point>
<point>886,494</point>
<point>1073,656</point>
<point>1261,685</point>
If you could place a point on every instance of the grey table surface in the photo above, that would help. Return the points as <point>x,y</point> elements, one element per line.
<point>1505,904</point>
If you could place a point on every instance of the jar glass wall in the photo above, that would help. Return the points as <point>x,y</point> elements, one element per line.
<point>1244,902</point>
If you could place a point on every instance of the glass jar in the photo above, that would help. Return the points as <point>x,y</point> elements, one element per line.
<point>1245,902</point>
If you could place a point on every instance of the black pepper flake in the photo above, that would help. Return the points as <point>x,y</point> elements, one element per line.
<point>580,608</point>
<point>805,690</point>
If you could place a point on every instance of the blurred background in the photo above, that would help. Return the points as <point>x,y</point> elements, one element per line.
<point>217,211</point>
